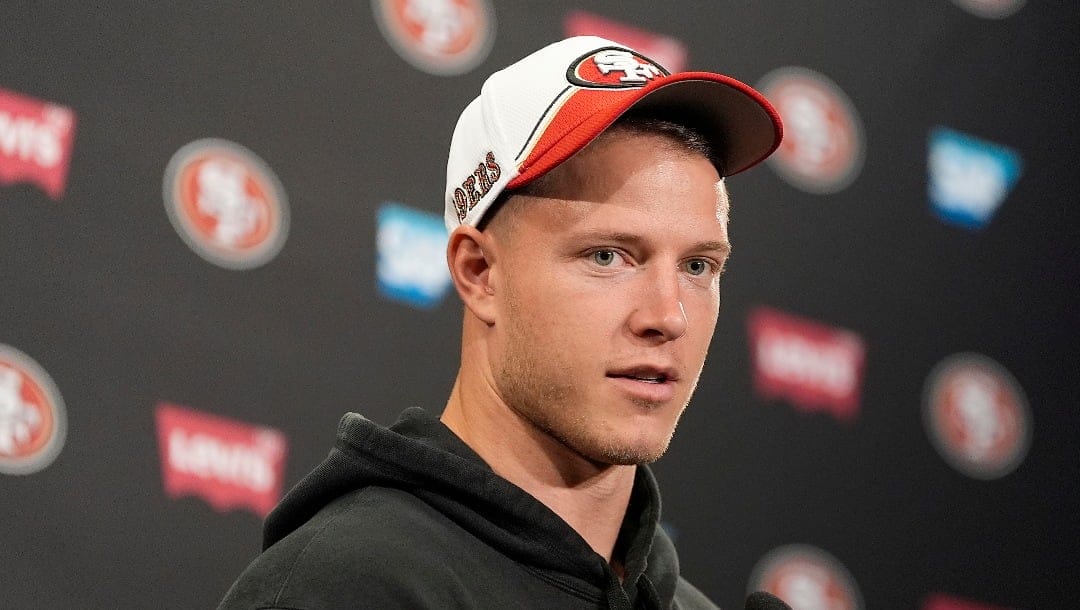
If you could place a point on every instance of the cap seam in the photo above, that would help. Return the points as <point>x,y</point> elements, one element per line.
<point>543,117</point>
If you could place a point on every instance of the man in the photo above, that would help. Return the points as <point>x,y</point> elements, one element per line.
<point>588,221</point>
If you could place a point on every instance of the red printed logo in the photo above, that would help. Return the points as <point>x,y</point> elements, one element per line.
<point>823,146</point>
<point>228,463</point>
<point>443,37</point>
<point>614,68</point>
<point>990,9</point>
<point>977,416</point>
<point>32,420</point>
<point>946,602</point>
<point>226,204</point>
<point>807,578</point>
<point>36,139</point>
<point>666,50</point>
<point>813,366</point>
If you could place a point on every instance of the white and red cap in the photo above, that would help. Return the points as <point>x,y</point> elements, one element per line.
<point>536,113</point>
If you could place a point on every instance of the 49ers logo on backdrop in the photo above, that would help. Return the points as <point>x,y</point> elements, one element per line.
<point>443,37</point>
<point>226,204</point>
<point>990,9</point>
<point>613,68</point>
<point>228,463</point>
<point>35,142</point>
<point>939,601</point>
<point>32,420</point>
<point>977,416</point>
<point>823,147</point>
<point>807,578</point>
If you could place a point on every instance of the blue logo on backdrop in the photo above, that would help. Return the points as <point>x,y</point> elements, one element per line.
<point>969,178</point>
<point>411,262</point>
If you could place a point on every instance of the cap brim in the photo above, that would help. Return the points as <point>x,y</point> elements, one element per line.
<point>739,122</point>
<point>742,125</point>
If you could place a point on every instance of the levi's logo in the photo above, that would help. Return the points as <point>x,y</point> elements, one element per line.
<point>228,463</point>
<point>668,51</point>
<point>815,367</point>
<point>478,184</point>
<point>613,67</point>
<point>35,142</point>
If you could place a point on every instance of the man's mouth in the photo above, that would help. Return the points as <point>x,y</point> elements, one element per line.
<point>645,374</point>
<point>656,379</point>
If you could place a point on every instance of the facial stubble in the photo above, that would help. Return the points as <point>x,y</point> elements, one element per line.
<point>536,387</point>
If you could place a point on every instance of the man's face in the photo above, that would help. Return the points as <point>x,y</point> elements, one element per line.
<point>607,291</point>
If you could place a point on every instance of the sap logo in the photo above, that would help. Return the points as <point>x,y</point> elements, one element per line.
<point>35,142</point>
<point>228,463</point>
<point>815,367</point>
<point>969,178</point>
<point>411,259</point>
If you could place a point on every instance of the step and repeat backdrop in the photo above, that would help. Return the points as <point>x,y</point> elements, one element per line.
<point>220,229</point>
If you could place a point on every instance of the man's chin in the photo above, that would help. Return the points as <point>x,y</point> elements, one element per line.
<point>626,453</point>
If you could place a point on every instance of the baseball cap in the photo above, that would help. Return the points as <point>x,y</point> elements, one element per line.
<point>536,113</point>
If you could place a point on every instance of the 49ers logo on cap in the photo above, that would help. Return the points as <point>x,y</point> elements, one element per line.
<point>613,68</point>
<point>32,421</point>
<point>226,204</point>
<point>977,416</point>
<point>443,37</point>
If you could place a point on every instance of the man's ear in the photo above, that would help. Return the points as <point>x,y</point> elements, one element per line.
<point>469,255</point>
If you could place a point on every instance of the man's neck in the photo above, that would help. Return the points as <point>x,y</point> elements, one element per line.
<point>592,498</point>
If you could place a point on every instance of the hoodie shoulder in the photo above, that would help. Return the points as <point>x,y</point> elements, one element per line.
<point>374,547</point>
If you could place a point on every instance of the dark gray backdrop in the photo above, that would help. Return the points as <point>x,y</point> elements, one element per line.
<point>99,289</point>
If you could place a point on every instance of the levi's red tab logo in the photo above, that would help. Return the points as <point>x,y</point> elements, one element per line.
<point>815,367</point>
<point>613,68</point>
<point>229,464</point>
<point>35,142</point>
<point>946,602</point>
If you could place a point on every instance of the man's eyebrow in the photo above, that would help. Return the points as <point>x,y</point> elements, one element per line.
<point>723,248</point>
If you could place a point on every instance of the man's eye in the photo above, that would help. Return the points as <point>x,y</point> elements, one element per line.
<point>604,257</point>
<point>697,267</point>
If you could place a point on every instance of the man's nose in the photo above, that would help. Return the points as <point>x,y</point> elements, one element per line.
<point>658,312</point>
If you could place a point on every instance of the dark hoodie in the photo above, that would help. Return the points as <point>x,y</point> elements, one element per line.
<point>410,517</point>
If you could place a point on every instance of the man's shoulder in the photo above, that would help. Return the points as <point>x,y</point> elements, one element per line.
<point>689,597</point>
<point>373,539</point>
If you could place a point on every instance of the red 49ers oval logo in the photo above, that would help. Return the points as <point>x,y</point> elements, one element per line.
<point>614,68</point>
<point>226,204</point>
<point>990,9</point>
<point>977,416</point>
<point>823,145</point>
<point>807,578</point>
<point>443,37</point>
<point>32,419</point>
